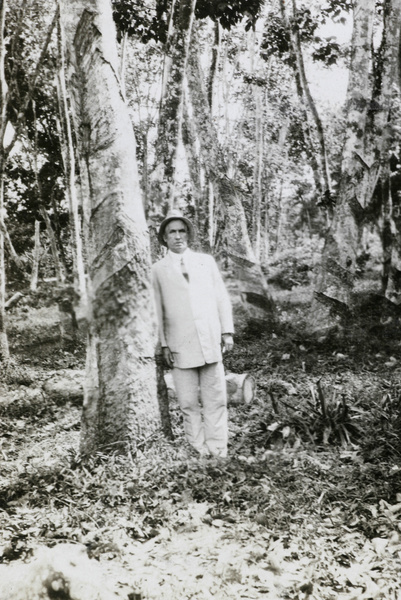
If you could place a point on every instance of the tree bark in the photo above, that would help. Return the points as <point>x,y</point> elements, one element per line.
<point>390,116</point>
<point>5,150</point>
<point>233,220</point>
<point>36,258</point>
<point>120,407</point>
<point>9,245</point>
<point>214,65</point>
<point>300,65</point>
<point>171,106</point>
<point>60,276</point>
<point>319,167</point>
<point>4,349</point>
<point>336,277</point>
<point>68,156</point>
<point>258,154</point>
<point>194,166</point>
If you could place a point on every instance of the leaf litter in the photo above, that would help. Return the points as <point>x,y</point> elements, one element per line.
<point>308,505</point>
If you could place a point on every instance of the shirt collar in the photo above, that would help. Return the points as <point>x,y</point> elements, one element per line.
<point>177,257</point>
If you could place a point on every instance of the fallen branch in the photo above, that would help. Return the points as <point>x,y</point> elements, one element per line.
<point>13,300</point>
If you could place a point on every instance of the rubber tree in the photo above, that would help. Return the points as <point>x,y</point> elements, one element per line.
<point>390,98</point>
<point>233,224</point>
<point>312,125</point>
<point>365,151</point>
<point>171,104</point>
<point>8,137</point>
<point>4,350</point>
<point>120,405</point>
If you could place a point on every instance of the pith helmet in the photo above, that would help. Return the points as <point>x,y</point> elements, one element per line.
<point>172,216</point>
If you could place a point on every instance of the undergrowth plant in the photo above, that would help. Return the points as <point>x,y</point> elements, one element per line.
<point>322,417</point>
<point>382,438</point>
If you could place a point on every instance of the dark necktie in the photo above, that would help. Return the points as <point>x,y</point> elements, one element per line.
<point>184,270</point>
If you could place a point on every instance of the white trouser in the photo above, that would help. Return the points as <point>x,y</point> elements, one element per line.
<point>210,433</point>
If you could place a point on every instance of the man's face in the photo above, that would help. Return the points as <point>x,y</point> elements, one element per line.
<point>176,236</point>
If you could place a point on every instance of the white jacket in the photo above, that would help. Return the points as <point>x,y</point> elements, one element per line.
<point>192,315</point>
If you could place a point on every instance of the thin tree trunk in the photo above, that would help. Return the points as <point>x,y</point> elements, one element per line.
<point>236,237</point>
<point>9,245</point>
<point>279,229</point>
<point>193,161</point>
<point>265,237</point>
<point>202,187</point>
<point>36,258</point>
<point>120,411</point>
<point>297,61</point>
<point>310,102</point>
<point>258,154</point>
<point>214,65</point>
<point>390,102</point>
<point>211,214</point>
<point>68,154</point>
<point>58,267</point>
<point>171,109</point>
<point>56,229</point>
<point>60,276</point>
<point>4,350</point>
<point>145,169</point>
<point>123,61</point>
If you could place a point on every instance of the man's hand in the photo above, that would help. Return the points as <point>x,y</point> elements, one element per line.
<point>228,342</point>
<point>168,357</point>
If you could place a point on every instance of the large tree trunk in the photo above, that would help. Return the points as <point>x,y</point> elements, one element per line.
<point>233,223</point>
<point>391,98</point>
<point>365,149</point>
<point>171,107</point>
<point>304,98</point>
<point>120,406</point>
<point>194,167</point>
<point>4,350</point>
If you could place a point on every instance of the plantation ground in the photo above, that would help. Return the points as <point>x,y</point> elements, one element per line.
<point>308,505</point>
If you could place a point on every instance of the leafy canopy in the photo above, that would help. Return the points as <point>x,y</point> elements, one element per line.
<point>149,20</point>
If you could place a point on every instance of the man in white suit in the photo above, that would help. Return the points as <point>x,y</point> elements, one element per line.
<point>196,325</point>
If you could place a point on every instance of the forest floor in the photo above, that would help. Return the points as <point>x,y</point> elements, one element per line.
<point>307,505</point>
